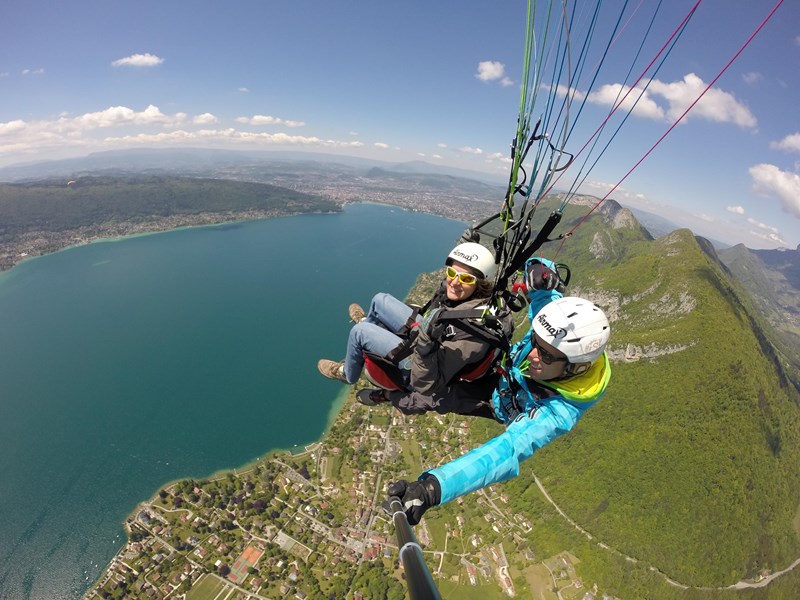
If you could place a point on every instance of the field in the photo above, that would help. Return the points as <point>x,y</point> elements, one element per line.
<point>210,588</point>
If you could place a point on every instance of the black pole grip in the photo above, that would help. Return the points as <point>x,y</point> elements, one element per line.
<point>419,579</point>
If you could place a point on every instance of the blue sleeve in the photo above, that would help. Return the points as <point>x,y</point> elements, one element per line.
<point>499,458</point>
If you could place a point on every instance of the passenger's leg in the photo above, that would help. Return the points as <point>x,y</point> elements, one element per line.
<point>388,311</point>
<point>367,337</point>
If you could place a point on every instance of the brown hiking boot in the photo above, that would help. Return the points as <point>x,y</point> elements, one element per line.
<point>369,397</point>
<point>356,313</point>
<point>332,370</point>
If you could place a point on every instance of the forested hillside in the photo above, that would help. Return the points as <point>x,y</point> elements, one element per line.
<point>40,217</point>
<point>58,205</point>
<point>691,462</point>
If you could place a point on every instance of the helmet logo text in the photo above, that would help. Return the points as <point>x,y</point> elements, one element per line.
<point>556,332</point>
<point>466,257</point>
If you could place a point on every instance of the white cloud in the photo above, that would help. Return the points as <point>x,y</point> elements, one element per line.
<point>492,70</point>
<point>715,105</point>
<point>677,96</point>
<point>442,146</point>
<point>138,60</point>
<point>772,237</point>
<point>118,115</point>
<point>470,150</point>
<point>4,74</point>
<point>244,90</point>
<point>436,156</point>
<point>268,120</point>
<point>791,143</point>
<point>738,210</point>
<point>353,133</point>
<point>562,90</point>
<point>124,127</point>
<point>260,120</point>
<point>760,225</point>
<point>32,71</point>
<point>752,77</point>
<point>12,127</point>
<point>227,135</point>
<point>770,180</point>
<point>23,137</point>
<point>768,232</point>
<point>205,119</point>
<point>613,94</point>
<point>381,145</point>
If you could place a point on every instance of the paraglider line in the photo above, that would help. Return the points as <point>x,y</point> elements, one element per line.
<point>632,87</point>
<point>679,119</point>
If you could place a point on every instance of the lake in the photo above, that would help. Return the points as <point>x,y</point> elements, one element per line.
<point>130,363</point>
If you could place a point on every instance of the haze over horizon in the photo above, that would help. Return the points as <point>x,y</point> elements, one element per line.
<point>427,83</point>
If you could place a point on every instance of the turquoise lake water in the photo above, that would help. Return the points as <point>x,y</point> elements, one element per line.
<point>127,364</point>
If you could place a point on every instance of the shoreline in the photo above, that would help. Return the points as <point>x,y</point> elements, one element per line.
<point>35,244</point>
<point>338,403</point>
<point>336,408</point>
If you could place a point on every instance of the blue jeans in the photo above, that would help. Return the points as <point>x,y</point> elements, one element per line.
<point>377,333</point>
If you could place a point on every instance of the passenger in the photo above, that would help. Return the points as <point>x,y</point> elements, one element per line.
<point>439,352</point>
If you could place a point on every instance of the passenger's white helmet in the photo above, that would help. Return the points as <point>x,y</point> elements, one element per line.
<point>475,256</point>
<point>574,326</point>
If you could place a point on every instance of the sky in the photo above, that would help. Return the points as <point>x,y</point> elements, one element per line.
<point>431,80</point>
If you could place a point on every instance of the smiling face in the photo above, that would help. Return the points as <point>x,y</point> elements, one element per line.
<point>457,290</point>
<point>545,362</point>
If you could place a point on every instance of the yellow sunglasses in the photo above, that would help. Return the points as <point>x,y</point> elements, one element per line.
<point>465,278</point>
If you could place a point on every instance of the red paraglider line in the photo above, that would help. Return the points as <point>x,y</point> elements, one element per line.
<point>725,68</point>
<point>632,87</point>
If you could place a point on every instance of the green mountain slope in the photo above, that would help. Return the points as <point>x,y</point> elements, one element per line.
<point>691,463</point>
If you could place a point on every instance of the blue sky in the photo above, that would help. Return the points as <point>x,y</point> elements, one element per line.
<point>419,80</point>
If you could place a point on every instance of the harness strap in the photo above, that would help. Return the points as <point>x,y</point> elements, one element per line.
<point>492,333</point>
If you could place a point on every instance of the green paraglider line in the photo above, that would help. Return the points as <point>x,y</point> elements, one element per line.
<point>518,239</point>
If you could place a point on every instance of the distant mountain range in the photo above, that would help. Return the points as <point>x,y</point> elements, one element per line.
<point>194,161</point>
<point>772,277</point>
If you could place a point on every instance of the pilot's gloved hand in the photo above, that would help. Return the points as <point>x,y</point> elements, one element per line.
<point>416,496</point>
<point>539,276</point>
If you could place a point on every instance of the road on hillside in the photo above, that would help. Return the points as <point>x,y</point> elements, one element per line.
<point>739,585</point>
